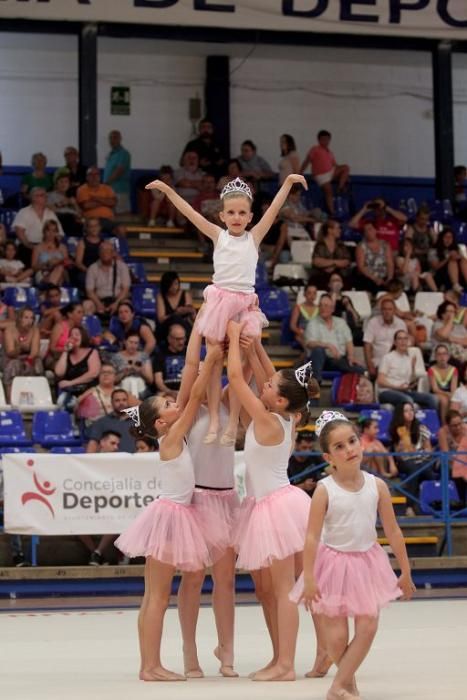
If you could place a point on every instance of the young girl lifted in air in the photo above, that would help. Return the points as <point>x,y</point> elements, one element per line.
<point>232,294</point>
<point>169,532</point>
<point>346,572</point>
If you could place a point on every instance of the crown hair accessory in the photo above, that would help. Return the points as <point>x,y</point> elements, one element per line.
<point>237,186</point>
<point>133,414</point>
<point>327,417</point>
<point>303,373</point>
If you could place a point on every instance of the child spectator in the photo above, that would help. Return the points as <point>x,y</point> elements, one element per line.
<point>304,312</point>
<point>453,438</point>
<point>443,379</point>
<point>422,235</point>
<point>380,464</point>
<point>448,265</point>
<point>13,270</point>
<point>325,169</point>
<point>409,269</point>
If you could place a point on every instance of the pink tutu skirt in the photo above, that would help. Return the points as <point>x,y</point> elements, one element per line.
<point>351,583</point>
<point>273,527</point>
<point>169,532</point>
<point>218,512</point>
<point>222,306</point>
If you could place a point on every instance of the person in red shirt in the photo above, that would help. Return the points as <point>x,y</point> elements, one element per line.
<point>324,168</point>
<point>386,220</point>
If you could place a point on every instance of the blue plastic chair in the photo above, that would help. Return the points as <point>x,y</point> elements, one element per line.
<point>93,325</point>
<point>138,272</point>
<point>7,216</point>
<point>18,297</point>
<point>430,419</point>
<point>69,295</point>
<point>121,246</point>
<point>144,299</point>
<point>16,450</point>
<point>383,417</point>
<point>261,280</point>
<point>12,432</point>
<point>72,450</point>
<point>341,208</point>
<point>274,303</point>
<point>431,493</point>
<point>51,428</point>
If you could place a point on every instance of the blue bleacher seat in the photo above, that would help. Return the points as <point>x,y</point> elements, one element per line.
<point>121,246</point>
<point>21,296</point>
<point>274,303</point>
<point>12,432</point>
<point>341,208</point>
<point>51,428</point>
<point>349,406</point>
<point>16,450</point>
<point>69,295</point>
<point>261,280</point>
<point>138,272</point>
<point>93,325</point>
<point>461,233</point>
<point>384,419</point>
<point>144,299</point>
<point>431,495</point>
<point>429,418</point>
<point>7,217</point>
<point>61,450</point>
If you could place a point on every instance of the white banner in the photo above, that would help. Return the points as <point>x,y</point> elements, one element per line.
<point>86,494</point>
<point>413,18</point>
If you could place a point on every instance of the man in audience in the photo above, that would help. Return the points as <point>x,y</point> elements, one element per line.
<point>107,281</point>
<point>209,153</point>
<point>325,169</point>
<point>29,222</point>
<point>329,340</point>
<point>379,335</point>
<point>298,463</point>
<point>73,168</point>
<point>169,360</point>
<point>386,220</point>
<point>97,201</point>
<point>252,164</point>
<point>117,172</point>
<point>50,310</point>
<point>115,422</point>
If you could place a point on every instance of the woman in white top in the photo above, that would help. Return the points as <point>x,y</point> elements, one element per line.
<point>290,161</point>
<point>346,572</point>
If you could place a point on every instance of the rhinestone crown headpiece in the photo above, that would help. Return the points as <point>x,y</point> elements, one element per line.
<point>327,417</point>
<point>237,186</point>
<point>303,373</point>
<point>133,414</point>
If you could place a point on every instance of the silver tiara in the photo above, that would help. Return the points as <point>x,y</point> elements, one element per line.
<point>237,186</point>
<point>303,373</point>
<point>327,417</point>
<point>133,414</point>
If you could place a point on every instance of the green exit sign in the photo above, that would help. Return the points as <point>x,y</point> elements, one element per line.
<point>120,100</point>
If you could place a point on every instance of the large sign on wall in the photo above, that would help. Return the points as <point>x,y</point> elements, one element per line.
<point>412,18</point>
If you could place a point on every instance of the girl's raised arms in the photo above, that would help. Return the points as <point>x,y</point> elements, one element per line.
<point>262,227</point>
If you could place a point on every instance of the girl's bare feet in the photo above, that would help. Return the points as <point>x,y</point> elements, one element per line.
<point>194,673</point>
<point>191,664</point>
<point>159,673</point>
<point>272,663</point>
<point>341,694</point>
<point>321,666</point>
<point>225,669</point>
<point>228,438</point>
<point>275,673</point>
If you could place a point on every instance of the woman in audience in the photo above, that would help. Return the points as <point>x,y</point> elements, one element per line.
<point>453,438</point>
<point>448,266</point>
<point>344,308</point>
<point>134,369</point>
<point>39,176</point>
<point>72,317</point>
<point>423,237</point>
<point>173,305</point>
<point>304,312</point>
<point>375,264</point>
<point>289,162</point>
<point>330,255</point>
<point>409,270</point>
<point>76,368</point>
<point>126,321</point>
<point>454,335</point>
<point>87,252</point>
<point>459,397</point>
<point>13,270</point>
<point>443,379</point>
<point>49,258</point>
<point>408,435</point>
<point>21,348</point>
<point>96,402</point>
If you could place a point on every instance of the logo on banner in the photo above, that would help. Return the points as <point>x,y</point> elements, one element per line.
<point>43,490</point>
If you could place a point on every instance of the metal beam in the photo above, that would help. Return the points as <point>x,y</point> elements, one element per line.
<point>87,79</point>
<point>443,120</point>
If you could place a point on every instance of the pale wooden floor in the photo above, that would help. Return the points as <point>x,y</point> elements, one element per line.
<point>419,654</point>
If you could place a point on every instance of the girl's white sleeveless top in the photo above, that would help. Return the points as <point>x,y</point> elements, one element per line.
<point>213,464</point>
<point>266,465</point>
<point>176,479</point>
<point>350,521</point>
<point>235,259</point>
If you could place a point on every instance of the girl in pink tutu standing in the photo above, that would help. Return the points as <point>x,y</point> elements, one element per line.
<point>232,294</point>
<point>346,573</point>
<point>169,532</point>
<point>272,521</point>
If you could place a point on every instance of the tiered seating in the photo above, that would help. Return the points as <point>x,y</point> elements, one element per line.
<point>54,428</point>
<point>31,394</point>
<point>12,430</point>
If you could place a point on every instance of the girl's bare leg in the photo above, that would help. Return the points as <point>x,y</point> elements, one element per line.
<point>354,655</point>
<point>430,282</point>
<point>323,661</point>
<point>214,394</point>
<point>336,631</point>
<point>453,271</point>
<point>267,599</point>
<point>189,598</point>
<point>141,614</point>
<point>229,436</point>
<point>223,603</point>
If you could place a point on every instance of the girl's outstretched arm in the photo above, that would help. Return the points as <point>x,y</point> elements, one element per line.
<point>263,357</point>
<point>262,227</point>
<point>395,537</point>
<point>318,509</point>
<point>210,230</point>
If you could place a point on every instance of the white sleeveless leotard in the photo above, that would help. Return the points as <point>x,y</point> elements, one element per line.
<point>213,464</point>
<point>266,465</point>
<point>176,479</point>
<point>235,259</point>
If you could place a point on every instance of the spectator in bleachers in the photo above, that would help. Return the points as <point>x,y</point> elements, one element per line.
<point>234,170</point>
<point>29,222</point>
<point>134,369</point>
<point>125,322</point>
<point>145,445</point>
<point>96,402</point>
<point>444,379</point>
<point>50,257</point>
<point>378,337</point>
<point>116,421</point>
<point>290,161</point>
<point>423,237</point>
<point>324,168</point>
<point>207,202</point>
<point>87,251</point>
<point>50,310</point>
<point>329,341</point>
<point>344,308</point>
<point>65,206</point>
<point>330,255</point>
<point>189,176</point>
<point>408,435</point>
<point>210,155</point>
<point>398,377</point>
<point>77,367</point>
<point>297,223</point>
<point>460,196</point>
<point>168,361</point>
<point>21,349</point>
<point>13,270</point>
<point>39,176</point>
<point>173,305</point>
<point>375,262</point>
<point>252,164</point>
<point>71,317</point>
<point>448,266</point>
<point>298,463</point>
<point>409,270</point>
<point>459,302</point>
<point>459,397</point>
<point>454,335</point>
<point>379,463</point>
<point>108,282</point>
<point>395,292</point>
<point>162,212</point>
<point>74,169</point>
<point>304,312</point>
<point>117,172</point>
<point>386,220</point>
<point>452,437</point>
<point>97,200</point>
